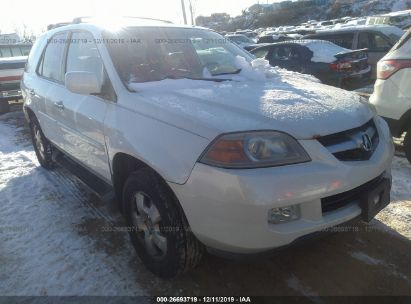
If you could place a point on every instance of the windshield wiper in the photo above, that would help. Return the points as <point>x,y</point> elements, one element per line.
<point>228,73</point>
<point>196,78</point>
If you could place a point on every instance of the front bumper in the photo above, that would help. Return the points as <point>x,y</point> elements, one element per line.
<point>10,95</point>
<point>228,209</point>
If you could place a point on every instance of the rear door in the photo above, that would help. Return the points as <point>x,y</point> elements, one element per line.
<point>83,116</point>
<point>49,89</point>
<point>378,46</point>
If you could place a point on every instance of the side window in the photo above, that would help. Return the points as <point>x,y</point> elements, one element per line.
<point>25,50</point>
<point>5,51</point>
<point>284,53</point>
<point>374,42</point>
<point>344,40</point>
<point>51,64</point>
<point>381,44</point>
<point>83,55</point>
<point>261,53</point>
<point>15,50</point>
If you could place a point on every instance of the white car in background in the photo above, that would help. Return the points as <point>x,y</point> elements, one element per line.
<point>392,92</point>
<point>203,146</point>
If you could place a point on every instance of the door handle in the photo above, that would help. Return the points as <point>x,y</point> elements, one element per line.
<point>59,104</point>
<point>32,92</point>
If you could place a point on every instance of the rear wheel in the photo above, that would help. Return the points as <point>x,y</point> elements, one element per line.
<point>158,228</point>
<point>42,146</point>
<point>407,144</point>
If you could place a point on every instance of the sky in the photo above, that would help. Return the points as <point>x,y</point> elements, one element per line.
<point>37,14</point>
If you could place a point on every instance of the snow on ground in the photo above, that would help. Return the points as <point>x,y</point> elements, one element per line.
<point>43,216</point>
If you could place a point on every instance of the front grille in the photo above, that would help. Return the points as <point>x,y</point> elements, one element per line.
<point>338,201</point>
<point>356,144</point>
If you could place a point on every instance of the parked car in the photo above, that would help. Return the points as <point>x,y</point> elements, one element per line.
<point>240,40</point>
<point>203,149</point>
<point>392,92</point>
<point>273,38</point>
<point>377,39</point>
<point>328,62</point>
<point>400,19</point>
<point>13,58</point>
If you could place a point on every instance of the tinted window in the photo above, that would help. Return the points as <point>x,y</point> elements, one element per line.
<point>83,55</point>
<point>5,51</point>
<point>51,64</point>
<point>284,53</point>
<point>374,42</point>
<point>343,40</point>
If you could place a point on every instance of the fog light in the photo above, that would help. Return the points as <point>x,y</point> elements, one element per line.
<point>284,214</point>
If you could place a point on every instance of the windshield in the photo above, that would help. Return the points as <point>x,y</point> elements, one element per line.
<point>146,54</point>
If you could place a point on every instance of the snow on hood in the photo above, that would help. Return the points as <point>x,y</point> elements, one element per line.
<point>260,97</point>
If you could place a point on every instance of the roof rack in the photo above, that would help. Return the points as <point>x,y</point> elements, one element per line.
<point>83,19</point>
<point>56,25</point>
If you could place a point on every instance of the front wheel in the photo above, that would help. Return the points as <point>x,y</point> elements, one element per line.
<point>157,225</point>
<point>407,144</point>
<point>41,144</point>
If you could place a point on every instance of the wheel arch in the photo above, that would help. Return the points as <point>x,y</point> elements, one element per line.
<point>122,166</point>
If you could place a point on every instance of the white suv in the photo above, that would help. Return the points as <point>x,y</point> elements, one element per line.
<point>392,92</point>
<point>204,147</point>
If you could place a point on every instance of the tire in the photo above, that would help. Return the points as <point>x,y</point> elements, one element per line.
<point>407,144</point>
<point>4,107</point>
<point>41,144</point>
<point>157,225</point>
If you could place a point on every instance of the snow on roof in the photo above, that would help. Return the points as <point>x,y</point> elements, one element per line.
<point>323,51</point>
<point>13,59</point>
<point>386,29</point>
<point>399,13</point>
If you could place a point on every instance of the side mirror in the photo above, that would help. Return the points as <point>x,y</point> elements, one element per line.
<point>84,83</point>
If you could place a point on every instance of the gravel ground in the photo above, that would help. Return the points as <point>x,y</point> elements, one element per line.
<point>58,239</point>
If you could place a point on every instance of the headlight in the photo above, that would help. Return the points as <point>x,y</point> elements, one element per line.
<point>254,150</point>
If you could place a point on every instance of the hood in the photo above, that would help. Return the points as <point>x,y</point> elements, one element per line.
<point>289,102</point>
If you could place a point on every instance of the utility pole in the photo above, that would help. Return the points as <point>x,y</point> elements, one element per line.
<point>191,11</point>
<point>183,7</point>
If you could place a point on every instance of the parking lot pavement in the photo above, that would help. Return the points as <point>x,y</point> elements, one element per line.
<point>57,239</point>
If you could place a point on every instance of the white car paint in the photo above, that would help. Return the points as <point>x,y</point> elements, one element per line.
<point>168,125</point>
<point>392,96</point>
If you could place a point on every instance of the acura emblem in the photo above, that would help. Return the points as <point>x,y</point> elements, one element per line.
<point>366,142</point>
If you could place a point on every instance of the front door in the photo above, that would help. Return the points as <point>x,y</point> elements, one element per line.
<point>86,113</point>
